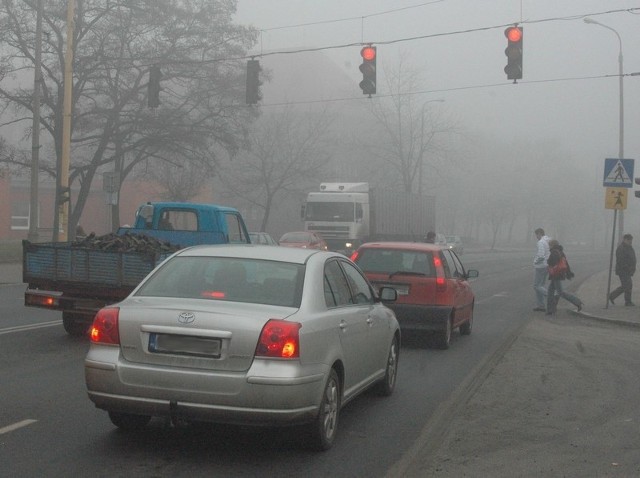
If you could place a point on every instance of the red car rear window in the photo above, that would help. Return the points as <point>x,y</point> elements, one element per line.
<point>390,261</point>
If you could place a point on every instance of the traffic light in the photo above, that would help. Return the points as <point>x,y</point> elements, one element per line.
<point>514,53</point>
<point>368,69</point>
<point>253,82</point>
<point>153,87</point>
<point>637,193</point>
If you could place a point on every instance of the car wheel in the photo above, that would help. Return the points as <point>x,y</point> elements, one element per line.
<point>128,421</point>
<point>386,386</point>
<point>465,329</point>
<point>443,338</point>
<point>324,428</point>
<point>73,325</point>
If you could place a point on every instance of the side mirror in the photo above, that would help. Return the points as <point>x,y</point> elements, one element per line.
<point>388,294</point>
<point>472,274</point>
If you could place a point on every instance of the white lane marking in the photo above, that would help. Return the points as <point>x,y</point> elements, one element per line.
<point>17,425</point>
<point>499,294</point>
<point>20,328</point>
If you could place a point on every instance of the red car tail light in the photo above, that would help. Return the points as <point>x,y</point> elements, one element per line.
<point>279,339</point>
<point>354,256</point>
<point>441,283</point>
<point>105,327</point>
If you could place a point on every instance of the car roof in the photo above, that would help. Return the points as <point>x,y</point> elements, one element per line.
<point>409,246</point>
<point>255,251</point>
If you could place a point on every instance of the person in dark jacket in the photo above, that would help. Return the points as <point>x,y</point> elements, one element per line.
<point>625,268</point>
<point>555,290</point>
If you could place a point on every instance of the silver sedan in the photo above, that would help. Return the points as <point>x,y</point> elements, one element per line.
<point>244,334</point>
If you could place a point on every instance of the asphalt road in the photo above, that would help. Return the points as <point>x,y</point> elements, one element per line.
<point>48,427</point>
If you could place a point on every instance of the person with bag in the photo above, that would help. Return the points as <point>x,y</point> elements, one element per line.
<point>559,270</point>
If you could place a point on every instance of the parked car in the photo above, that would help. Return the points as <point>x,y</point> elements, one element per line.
<point>303,239</point>
<point>254,335</point>
<point>262,238</point>
<point>434,294</point>
<point>455,244</point>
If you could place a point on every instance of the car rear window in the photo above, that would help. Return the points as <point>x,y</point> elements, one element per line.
<point>389,261</point>
<point>226,278</point>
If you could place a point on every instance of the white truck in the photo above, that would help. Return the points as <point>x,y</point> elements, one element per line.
<point>349,214</point>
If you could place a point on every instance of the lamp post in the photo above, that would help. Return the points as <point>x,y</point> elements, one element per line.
<point>621,132</point>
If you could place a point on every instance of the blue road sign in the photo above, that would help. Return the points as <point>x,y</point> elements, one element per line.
<point>618,173</point>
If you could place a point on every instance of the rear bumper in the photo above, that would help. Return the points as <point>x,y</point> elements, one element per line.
<point>269,393</point>
<point>430,318</point>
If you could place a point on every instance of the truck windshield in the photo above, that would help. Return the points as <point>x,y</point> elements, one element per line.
<point>330,211</point>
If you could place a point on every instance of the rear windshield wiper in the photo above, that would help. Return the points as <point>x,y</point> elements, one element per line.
<point>407,273</point>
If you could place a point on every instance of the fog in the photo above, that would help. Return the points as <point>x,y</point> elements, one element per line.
<point>549,133</point>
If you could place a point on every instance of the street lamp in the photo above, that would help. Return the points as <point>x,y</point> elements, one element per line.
<point>620,73</point>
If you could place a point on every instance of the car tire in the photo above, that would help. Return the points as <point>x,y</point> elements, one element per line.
<point>443,338</point>
<point>386,386</point>
<point>129,422</point>
<point>323,430</point>
<point>465,329</point>
<point>74,325</point>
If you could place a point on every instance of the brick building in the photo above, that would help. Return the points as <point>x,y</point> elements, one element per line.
<point>15,204</point>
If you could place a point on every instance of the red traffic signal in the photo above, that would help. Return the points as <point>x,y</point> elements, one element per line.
<point>368,69</point>
<point>514,53</point>
<point>513,34</point>
<point>368,53</point>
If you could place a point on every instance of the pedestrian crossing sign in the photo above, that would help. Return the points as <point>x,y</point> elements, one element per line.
<point>618,173</point>
<point>615,198</point>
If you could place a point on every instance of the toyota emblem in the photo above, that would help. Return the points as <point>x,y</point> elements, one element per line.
<point>186,317</point>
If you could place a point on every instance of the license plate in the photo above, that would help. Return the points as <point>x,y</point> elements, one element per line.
<point>184,345</point>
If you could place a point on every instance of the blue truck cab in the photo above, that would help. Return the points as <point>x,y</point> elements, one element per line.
<point>189,224</point>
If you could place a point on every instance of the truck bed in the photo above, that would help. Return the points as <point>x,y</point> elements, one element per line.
<point>55,262</point>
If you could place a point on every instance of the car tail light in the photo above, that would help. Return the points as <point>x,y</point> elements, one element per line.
<point>105,327</point>
<point>354,256</point>
<point>279,339</point>
<point>441,283</point>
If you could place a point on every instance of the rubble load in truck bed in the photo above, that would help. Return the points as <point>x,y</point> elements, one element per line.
<point>110,260</point>
<point>126,243</point>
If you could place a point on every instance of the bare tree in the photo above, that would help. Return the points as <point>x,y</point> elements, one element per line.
<point>287,150</point>
<point>411,131</point>
<point>116,43</point>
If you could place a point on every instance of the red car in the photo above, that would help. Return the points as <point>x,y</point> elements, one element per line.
<point>303,239</point>
<point>434,294</point>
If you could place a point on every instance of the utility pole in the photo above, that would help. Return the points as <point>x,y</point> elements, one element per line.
<point>64,193</point>
<point>34,209</point>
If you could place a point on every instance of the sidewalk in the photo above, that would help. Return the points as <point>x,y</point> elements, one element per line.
<point>555,400</point>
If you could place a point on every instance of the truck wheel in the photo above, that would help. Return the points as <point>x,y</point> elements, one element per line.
<point>74,325</point>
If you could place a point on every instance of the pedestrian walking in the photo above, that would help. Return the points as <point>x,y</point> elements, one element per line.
<point>559,270</point>
<point>540,268</point>
<point>625,268</point>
